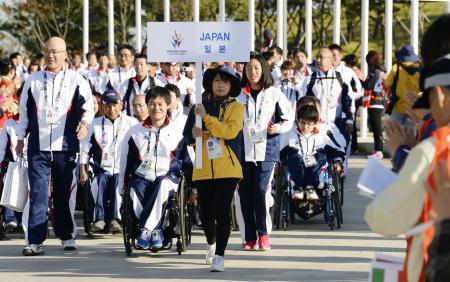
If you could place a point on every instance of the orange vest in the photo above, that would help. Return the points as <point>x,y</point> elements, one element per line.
<point>442,144</point>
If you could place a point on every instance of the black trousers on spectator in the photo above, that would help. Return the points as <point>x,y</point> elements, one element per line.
<point>376,127</point>
<point>215,197</point>
<point>354,147</point>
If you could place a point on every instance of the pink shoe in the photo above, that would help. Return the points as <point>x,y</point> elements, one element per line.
<point>249,246</point>
<point>263,243</point>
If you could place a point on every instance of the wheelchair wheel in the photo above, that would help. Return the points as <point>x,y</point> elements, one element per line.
<point>183,219</point>
<point>127,216</point>
<point>338,208</point>
<point>279,194</point>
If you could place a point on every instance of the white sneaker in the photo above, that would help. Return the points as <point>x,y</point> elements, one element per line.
<point>69,245</point>
<point>34,250</point>
<point>311,194</point>
<point>298,196</point>
<point>210,252</point>
<point>217,264</point>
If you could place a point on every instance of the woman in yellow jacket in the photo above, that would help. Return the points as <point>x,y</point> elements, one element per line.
<point>222,146</point>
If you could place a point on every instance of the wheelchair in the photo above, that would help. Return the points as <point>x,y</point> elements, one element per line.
<point>177,225</point>
<point>328,203</point>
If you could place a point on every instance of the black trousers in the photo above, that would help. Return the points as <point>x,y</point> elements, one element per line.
<point>215,197</point>
<point>354,147</point>
<point>376,127</point>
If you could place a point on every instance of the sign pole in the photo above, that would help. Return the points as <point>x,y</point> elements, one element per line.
<point>198,95</point>
<point>198,119</point>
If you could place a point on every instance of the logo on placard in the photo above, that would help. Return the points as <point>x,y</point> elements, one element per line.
<point>176,40</point>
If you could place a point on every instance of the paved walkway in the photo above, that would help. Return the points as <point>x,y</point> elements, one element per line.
<point>308,251</point>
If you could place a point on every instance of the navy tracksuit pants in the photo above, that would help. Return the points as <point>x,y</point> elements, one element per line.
<point>305,176</point>
<point>62,169</point>
<point>254,191</point>
<point>11,215</point>
<point>104,192</point>
<point>150,200</point>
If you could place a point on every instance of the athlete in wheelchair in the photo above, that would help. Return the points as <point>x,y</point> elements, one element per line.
<point>311,156</point>
<point>153,155</point>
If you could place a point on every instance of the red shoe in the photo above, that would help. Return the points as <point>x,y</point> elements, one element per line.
<point>249,246</point>
<point>263,243</point>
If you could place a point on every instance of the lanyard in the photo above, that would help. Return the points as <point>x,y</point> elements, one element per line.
<point>115,137</point>
<point>330,92</point>
<point>307,143</point>
<point>59,90</point>
<point>155,150</point>
<point>258,116</point>
<point>137,89</point>
<point>223,106</point>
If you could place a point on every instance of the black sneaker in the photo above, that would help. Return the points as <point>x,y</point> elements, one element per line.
<point>34,250</point>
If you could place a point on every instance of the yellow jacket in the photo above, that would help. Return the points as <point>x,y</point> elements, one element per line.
<point>228,131</point>
<point>406,82</point>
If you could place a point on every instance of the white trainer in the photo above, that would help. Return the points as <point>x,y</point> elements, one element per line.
<point>210,252</point>
<point>69,245</point>
<point>217,264</point>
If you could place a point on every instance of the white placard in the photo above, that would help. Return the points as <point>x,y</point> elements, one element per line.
<point>198,41</point>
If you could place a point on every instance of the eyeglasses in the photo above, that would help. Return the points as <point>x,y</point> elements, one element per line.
<point>125,55</point>
<point>54,52</point>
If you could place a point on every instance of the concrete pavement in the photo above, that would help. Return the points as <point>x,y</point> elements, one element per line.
<point>308,251</point>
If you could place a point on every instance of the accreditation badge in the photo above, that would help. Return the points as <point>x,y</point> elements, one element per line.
<point>51,115</point>
<point>309,160</point>
<point>256,134</point>
<point>214,149</point>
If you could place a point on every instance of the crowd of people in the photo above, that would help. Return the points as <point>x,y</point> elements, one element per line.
<point>132,124</point>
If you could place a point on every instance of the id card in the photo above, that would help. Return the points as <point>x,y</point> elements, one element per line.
<point>309,160</point>
<point>214,148</point>
<point>51,115</point>
<point>331,102</point>
<point>147,167</point>
<point>378,86</point>
<point>256,134</point>
<point>107,159</point>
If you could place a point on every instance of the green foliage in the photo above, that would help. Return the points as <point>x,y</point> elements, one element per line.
<point>33,21</point>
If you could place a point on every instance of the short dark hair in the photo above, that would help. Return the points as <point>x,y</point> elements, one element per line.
<point>308,113</point>
<point>307,100</point>
<point>90,53</point>
<point>14,55</point>
<point>101,54</point>
<point>39,56</point>
<point>268,55</point>
<point>436,41</point>
<point>128,47</point>
<point>266,77</point>
<point>335,46</point>
<point>286,65</point>
<point>5,66</point>
<point>140,56</point>
<point>299,50</point>
<point>276,49</point>
<point>373,59</point>
<point>158,91</point>
<point>351,60</point>
<point>75,53</point>
<point>173,88</point>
